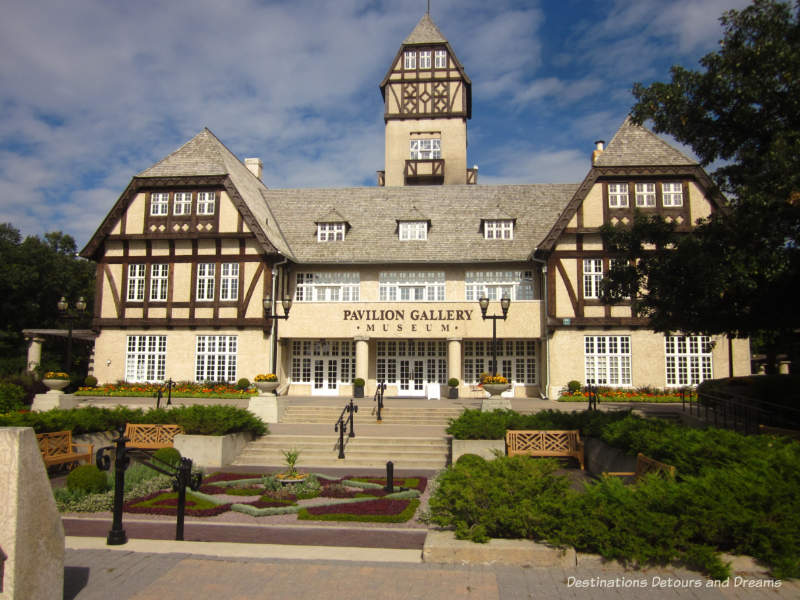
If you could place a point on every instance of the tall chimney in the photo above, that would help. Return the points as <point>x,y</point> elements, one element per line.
<point>255,165</point>
<point>598,150</point>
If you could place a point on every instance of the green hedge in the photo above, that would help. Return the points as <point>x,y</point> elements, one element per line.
<point>477,425</point>
<point>197,419</point>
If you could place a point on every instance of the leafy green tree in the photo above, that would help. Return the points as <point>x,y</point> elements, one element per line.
<point>737,271</point>
<point>34,273</point>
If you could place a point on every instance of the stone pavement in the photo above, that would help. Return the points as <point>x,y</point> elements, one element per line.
<point>186,570</point>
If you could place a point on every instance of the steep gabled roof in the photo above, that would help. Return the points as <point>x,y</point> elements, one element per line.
<point>204,158</point>
<point>426,32</point>
<point>633,145</point>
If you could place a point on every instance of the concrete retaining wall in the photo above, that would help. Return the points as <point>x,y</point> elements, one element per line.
<point>212,450</point>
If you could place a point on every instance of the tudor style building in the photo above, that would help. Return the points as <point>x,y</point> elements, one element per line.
<point>385,280</point>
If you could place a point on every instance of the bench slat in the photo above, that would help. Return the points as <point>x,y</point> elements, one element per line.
<point>151,436</point>
<point>58,448</point>
<point>545,442</point>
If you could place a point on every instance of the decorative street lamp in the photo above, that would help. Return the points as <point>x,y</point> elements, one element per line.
<point>287,306</point>
<point>70,316</point>
<point>505,303</point>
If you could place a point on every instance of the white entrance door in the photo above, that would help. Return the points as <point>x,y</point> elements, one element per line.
<point>412,377</point>
<point>326,378</point>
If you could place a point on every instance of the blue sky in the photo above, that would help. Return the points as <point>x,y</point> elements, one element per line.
<point>94,91</point>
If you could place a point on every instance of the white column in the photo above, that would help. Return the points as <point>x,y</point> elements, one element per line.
<point>362,357</point>
<point>34,352</point>
<point>454,359</point>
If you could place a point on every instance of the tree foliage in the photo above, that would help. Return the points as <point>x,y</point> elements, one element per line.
<point>34,273</point>
<point>736,272</point>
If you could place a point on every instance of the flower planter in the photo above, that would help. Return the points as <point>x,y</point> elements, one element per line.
<point>495,401</point>
<point>452,393</point>
<point>55,385</point>
<point>290,480</point>
<point>266,387</point>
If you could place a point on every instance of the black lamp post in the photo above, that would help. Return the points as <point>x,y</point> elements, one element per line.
<point>505,302</point>
<point>70,316</point>
<point>287,306</point>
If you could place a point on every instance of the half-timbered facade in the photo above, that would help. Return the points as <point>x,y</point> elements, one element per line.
<point>385,280</point>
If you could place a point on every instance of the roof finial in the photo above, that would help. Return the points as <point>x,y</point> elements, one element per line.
<point>428,12</point>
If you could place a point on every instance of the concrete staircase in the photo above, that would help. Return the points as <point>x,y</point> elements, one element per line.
<point>391,415</point>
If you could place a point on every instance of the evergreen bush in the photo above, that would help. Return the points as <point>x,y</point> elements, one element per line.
<point>243,384</point>
<point>171,456</point>
<point>11,397</point>
<point>87,479</point>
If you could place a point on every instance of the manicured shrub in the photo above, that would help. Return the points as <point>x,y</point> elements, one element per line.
<point>477,425</point>
<point>168,455</point>
<point>11,397</point>
<point>452,382</point>
<point>90,381</point>
<point>574,386</point>
<point>87,479</point>
<point>470,460</point>
<point>243,384</point>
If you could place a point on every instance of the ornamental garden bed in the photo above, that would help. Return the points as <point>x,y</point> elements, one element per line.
<point>179,390</point>
<point>612,395</point>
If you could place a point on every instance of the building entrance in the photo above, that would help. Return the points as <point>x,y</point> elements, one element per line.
<point>411,365</point>
<point>325,364</point>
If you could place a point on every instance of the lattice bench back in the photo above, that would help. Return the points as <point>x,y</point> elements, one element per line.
<point>545,443</point>
<point>151,436</point>
<point>57,448</point>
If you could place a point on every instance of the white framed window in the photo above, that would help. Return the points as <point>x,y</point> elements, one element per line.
<point>411,286</point>
<point>205,281</point>
<point>330,232</point>
<point>410,60</point>
<point>136,275</point>
<point>672,194</point>
<point>440,57</point>
<point>306,352</point>
<point>516,360</point>
<point>206,203</point>
<point>425,59</point>
<point>645,194</point>
<point>229,281</point>
<point>215,358</point>
<point>159,278</point>
<point>688,359</point>
<point>159,204</point>
<point>618,195</point>
<point>413,230</point>
<point>327,287</point>
<point>500,229</point>
<point>517,285</point>
<point>182,203</point>
<point>607,359</point>
<point>428,148</point>
<point>592,276</point>
<point>145,358</point>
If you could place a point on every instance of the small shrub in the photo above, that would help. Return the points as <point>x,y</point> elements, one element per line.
<point>452,382</point>
<point>87,479</point>
<point>470,460</point>
<point>574,386</point>
<point>243,384</point>
<point>168,455</point>
<point>90,381</point>
<point>358,382</point>
<point>11,397</point>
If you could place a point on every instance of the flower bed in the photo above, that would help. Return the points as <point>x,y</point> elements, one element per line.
<point>618,395</point>
<point>182,389</point>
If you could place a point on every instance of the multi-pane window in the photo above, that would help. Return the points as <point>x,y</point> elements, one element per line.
<point>500,229</point>
<point>607,359</point>
<point>645,194</point>
<point>413,230</point>
<point>215,358</point>
<point>159,204</point>
<point>159,278</point>
<point>516,285</point>
<point>306,352</point>
<point>205,281</point>
<point>411,364</point>
<point>410,60</point>
<point>592,276</point>
<point>330,232</point>
<point>145,358</point>
<point>618,195</point>
<point>182,203</point>
<point>206,202</point>
<point>516,360</point>
<point>672,194</point>
<point>229,281</point>
<point>410,286</point>
<point>327,287</point>
<point>688,359</point>
<point>136,275</point>
<point>425,59</point>
<point>428,148</point>
<point>441,59</point>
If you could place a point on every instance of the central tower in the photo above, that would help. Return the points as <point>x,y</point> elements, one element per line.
<point>427,101</point>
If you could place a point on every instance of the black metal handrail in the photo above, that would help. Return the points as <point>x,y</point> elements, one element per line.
<point>341,425</point>
<point>379,399</point>
<point>739,413</point>
<point>168,385</point>
<point>591,392</point>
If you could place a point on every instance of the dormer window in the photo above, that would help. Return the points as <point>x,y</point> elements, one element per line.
<point>425,149</point>
<point>413,230</point>
<point>330,232</point>
<point>645,195</point>
<point>672,194</point>
<point>410,61</point>
<point>498,229</point>
<point>425,59</point>
<point>441,59</point>
<point>159,204</point>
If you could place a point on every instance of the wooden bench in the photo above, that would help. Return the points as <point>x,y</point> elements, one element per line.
<point>546,442</point>
<point>58,448</point>
<point>151,436</point>
<point>646,465</point>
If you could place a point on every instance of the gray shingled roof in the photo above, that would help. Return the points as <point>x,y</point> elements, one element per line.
<point>426,32</point>
<point>455,214</point>
<point>633,146</point>
<point>204,154</point>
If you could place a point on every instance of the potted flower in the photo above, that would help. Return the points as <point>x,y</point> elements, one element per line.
<point>358,387</point>
<point>266,382</point>
<point>56,380</point>
<point>453,391</point>
<point>291,475</point>
<point>495,384</point>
